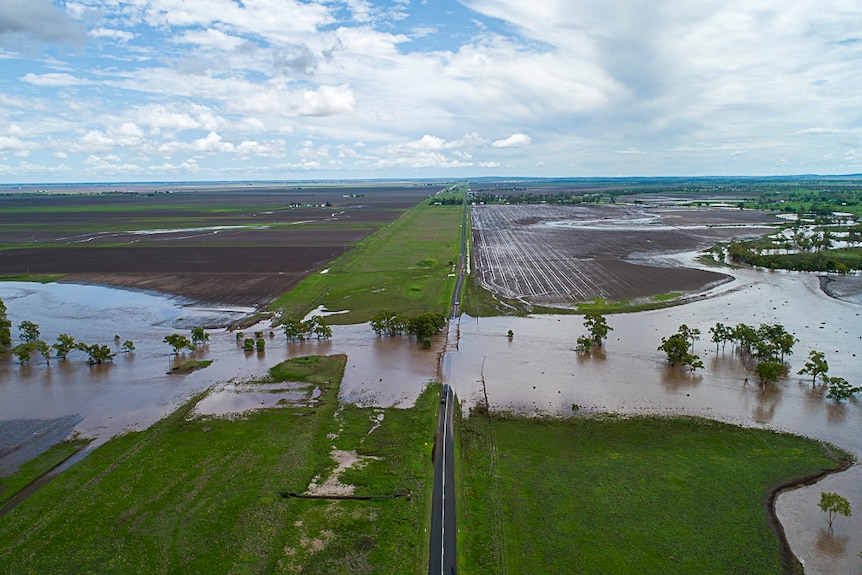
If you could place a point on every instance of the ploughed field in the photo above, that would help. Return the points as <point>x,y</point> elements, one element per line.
<point>560,255</point>
<point>228,244</point>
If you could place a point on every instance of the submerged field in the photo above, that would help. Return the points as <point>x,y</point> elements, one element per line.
<point>204,494</point>
<point>625,495</point>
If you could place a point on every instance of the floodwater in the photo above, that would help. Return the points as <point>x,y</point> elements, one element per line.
<point>537,371</point>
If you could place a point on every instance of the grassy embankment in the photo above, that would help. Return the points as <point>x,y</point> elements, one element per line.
<point>625,495</point>
<point>39,466</point>
<point>197,494</point>
<point>478,301</point>
<point>403,267</point>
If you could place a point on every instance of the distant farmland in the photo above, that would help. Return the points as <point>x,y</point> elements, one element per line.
<point>236,244</point>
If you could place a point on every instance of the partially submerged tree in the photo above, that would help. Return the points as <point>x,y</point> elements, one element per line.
<point>770,372</point>
<point>199,336</point>
<point>840,389</point>
<point>97,353</point>
<point>815,366</point>
<point>178,342</point>
<point>128,346</point>
<point>387,322</point>
<point>598,327</point>
<point>585,344</point>
<point>64,346</point>
<point>720,335</point>
<point>833,505</point>
<point>5,329</point>
<point>677,346</point>
<point>425,325</point>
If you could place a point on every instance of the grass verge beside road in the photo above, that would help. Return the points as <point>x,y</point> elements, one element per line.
<point>625,495</point>
<point>403,267</point>
<point>201,494</point>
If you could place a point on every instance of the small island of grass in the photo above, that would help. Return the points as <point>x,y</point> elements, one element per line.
<point>190,366</point>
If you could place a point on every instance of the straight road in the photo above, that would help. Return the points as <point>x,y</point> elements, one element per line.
<point>443,561</point>
<point>455,310</point>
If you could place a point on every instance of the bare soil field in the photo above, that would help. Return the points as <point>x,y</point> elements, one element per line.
<point>235,244</point>
<point>560,255</point>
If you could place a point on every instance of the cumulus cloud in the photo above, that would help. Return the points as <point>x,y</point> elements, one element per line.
<point>513,141</point>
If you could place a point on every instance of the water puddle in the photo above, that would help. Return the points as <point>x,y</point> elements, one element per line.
<point>234,399</point>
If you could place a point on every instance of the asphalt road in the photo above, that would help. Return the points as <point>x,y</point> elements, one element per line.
<point>462,265</point>
<point>443,560</point>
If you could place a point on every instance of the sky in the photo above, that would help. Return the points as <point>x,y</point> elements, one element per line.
<point>214,90</point>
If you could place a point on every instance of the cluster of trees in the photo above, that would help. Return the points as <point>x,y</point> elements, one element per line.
<point>32,344</point>
<point>756,253</point>
<point>598,327</point>
<point>816,366</point>
<point>180,342</point>
<point>297,330</point>
<point>422,326</point>
<point>764,348</point>
<point>251,343</point>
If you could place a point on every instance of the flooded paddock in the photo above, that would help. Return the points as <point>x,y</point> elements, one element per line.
<point>537,371</point>
<point>136,390</point>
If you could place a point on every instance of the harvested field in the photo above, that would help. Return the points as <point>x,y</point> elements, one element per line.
<point>560,255</point>
<point>236,244</point>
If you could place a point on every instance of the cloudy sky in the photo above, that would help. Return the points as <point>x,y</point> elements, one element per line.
<point>159,90</point>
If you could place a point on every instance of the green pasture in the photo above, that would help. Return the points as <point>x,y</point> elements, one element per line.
<point>403,267</point>
<point>621,495</point>
<point>208,495</point>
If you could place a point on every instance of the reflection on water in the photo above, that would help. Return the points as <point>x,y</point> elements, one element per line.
<point>536,371</point>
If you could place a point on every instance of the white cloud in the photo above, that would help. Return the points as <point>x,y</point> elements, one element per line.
<point>54,79</point>
<point>513,141</point>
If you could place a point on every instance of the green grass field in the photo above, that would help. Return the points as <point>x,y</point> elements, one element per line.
<point>403,267</point>
<point>624,495</point>
<point>198,494</point>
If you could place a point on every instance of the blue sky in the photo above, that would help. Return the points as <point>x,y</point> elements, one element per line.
<point>160,90</point>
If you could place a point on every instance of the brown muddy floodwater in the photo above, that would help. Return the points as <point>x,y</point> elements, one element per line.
<point>537,371</point>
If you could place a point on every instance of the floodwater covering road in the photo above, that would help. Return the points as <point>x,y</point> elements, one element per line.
<point>536,371</point>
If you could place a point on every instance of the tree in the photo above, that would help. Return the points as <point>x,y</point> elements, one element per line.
<point>178,342</point>
<point>584,344</point>
<point>248,344</point>
<point>387,322</point>
<point>28,331</point>
<point>128,346</point>
<point>690,334</point>
<point>64,346</point>
<point>721,334</point>
<point>744,335</point>
<point>5,329</point>
<point>676,348</point>
<point>832,505</point>
<point>816,365</point>
<point>770,371</point>
<point>97,353</point>
<point>44,350</point>
<point>424,325</point>
<point>598,327</point>
<point>199,336</point>
<point>316,325</point>
<point>23,351</point>
<point>840,389</point>
<point>293,330</point>
<point>260,345</point>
